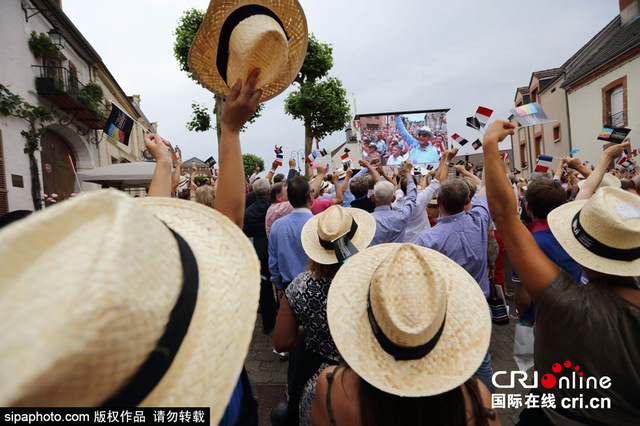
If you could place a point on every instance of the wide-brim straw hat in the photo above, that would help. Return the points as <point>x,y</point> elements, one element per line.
<point>415,294</point>
<point>237,36</point>
<point>607,180</point>
<point>88,287</point>
<point>333,223</point>
<point>611,217</point>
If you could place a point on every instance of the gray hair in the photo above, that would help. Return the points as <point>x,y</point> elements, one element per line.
<point>540,175</point>
<point>261,187</point>
<point>384,192</point>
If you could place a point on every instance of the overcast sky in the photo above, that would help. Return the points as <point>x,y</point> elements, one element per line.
<point>391,55</point>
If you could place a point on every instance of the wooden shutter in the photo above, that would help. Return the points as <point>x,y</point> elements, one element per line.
<point>4,199</point>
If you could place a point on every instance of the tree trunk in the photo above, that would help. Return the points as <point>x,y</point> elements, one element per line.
<point>36,190</point>
<point>308,145</point>
<point>217,109</point>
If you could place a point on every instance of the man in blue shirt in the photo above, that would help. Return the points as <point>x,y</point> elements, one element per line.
<point>391,224</point>
<point>462,236</point>
<point>422,150</point>
<point>287,259</point>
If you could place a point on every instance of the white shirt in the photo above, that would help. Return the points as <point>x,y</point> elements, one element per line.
<point>419,222</point>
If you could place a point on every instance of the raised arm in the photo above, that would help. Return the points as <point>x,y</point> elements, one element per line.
<point>339,198</point>
<point>591,184</point>
<point>347,177</point>
<point>406,136</point>
<point>274,167</point>
<point>558,174</point>
<point>445,160</point>
<point>464,172</point>
<point>238,108</point>
<point>161,181</point>
<point>577,165</point>
<point>370,169</point>
<point>175,178</point>
<point>535,270</point>
<point>318,180</point>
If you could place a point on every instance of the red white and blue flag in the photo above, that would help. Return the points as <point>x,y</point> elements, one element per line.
<point>483,114</point>
<point>462,141</point>
<point>345,158</point>
<point>544,163</point>
<point>504,156</point>
<point>311,157</point>
<point>279,158</point>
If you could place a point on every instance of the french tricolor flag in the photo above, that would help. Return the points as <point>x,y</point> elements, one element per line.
<point>504,156</point>
<point>483,114</point>
<point>311,157</point>
<point>462,141</point>
<point>623,160</point>
<point>544,163</point>
<point>279,158</point>
<point>345,158</point>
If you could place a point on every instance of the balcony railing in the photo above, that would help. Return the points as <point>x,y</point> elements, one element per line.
<point>616,120</point>
<point>63,89</point>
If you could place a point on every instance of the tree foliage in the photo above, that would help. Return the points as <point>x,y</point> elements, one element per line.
<point>249,161</point>
<point>321,101</point>
<point>185,33</point>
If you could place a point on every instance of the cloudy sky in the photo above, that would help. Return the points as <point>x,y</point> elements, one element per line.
<point>391,56</point>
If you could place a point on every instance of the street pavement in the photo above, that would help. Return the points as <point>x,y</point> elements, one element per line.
<point>269,374</point>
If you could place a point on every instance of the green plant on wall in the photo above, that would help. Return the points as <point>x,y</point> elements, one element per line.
<point>91,96</point>
<point>42,47</point>
<point>37,117</point>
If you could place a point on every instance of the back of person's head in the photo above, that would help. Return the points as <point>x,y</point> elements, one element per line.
<point>628,185</point>
<point>298,191</point>
<point>276,189</point>
<point>13,216</point>
<point>359,186</point>
<point>540,175</point>
<point>453,195</point>
<point>206,196</point>
<point>384,192</point>
<point>278,178</point>
<point>472,186</point>
<point>184,194</point>
<point>403,184</point>
<point>261,187</point>
<point>544,195</point>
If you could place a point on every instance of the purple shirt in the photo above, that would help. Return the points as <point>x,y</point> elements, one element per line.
<point>463,238</point>
<point>391,224</point>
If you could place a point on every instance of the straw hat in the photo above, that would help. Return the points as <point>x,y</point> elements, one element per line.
<point>610,218</point>
<point>326,186</point>
<point>415,294</point>
<point>607,180</point>
<point>334,224</point>
<point>89,286</point>
<point>237,36</point>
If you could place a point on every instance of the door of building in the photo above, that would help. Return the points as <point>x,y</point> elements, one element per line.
<point>57,176</point>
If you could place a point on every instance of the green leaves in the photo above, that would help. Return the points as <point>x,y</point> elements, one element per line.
<point>249,162</point>
<point>185,33</point>
<point>321,101</point>
<point>42,47</point>
<point>200,118</point>
<point>322,105</point>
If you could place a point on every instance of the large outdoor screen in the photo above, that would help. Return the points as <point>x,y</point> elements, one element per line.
<point>418,136</point>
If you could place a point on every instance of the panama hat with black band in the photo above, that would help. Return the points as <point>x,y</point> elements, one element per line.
<point>237,36</point>
<point>107,300</point>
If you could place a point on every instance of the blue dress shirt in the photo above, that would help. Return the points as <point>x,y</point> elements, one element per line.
<point>287,258</point>
<point>391,224</point>
<point>418,155</point>
<point>463,238</point>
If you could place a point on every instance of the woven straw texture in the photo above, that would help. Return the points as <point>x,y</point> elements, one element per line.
<point>278,70</point>
<point>602,221</point>
<point>86,291</point>
<point>332,223</point>
<point>410,276</point>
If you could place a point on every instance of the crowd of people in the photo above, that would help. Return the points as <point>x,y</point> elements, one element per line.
<point>375,287</point>
<point>409,140</point>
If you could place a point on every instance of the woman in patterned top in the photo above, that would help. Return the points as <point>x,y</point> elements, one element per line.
<point>329,239</point>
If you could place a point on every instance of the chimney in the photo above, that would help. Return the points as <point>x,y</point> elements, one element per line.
<point>629,9</point>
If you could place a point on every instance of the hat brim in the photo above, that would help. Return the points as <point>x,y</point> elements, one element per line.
<point>455,358</point>
<point>361,240</point>
<point>208,364</point>
<point>559,221</point>
<point>204,49</point>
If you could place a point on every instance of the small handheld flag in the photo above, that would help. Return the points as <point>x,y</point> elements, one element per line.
<point>119,125</point>
<point>544,163</point>
<point>574,151</point>
<point>311,158</point>
<point>210,162</point>
<point>504,156</point>
<point>473,123</point>
<point>323,151</point>
<point>476,144</point>
<point>483,114</point>
<point>279,158</point>
<point>462,141</point>
<point>345,158</point>
<point>615,135</point>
